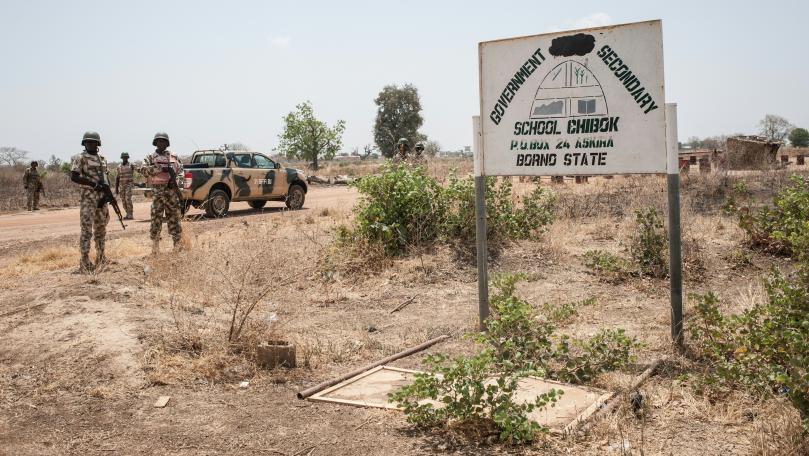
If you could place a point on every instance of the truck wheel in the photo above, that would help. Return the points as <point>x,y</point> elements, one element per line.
<point>218,204</point>
<point>257,204</point>
<point>295,197</point>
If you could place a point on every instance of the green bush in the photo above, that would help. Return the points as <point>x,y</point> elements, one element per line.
<point>611,268</point>
<point>478,392</point>
<point>402,206</point>
<point>648,244</point>
<point>764,349</point>
<point>471,396</point>
<point>784,228</point>
<point>525,340</point>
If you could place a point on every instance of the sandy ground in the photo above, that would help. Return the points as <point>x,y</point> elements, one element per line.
<point>24,226</point>
<point>80,366</point>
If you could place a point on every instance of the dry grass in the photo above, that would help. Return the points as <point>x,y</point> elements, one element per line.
<point>59,190</point>
<point>63,257</point>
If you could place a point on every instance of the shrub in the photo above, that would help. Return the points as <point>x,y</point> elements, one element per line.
<point>765,348</point>
<point>478,392</point>
<point>471,398</point>
<point>402,207</point>
<point>784,228</point>
<point>611,268</point>
<point>526,340</point>
<point>648,244</point>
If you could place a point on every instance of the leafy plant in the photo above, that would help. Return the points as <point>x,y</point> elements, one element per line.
<point>524,339</point>
<point>478,392</point>
<point>784,228</point>
<point>465,392</point>
<point>765,348</point>
<point>609,267</point>
<point>648,245</point>
<point>402,206</point>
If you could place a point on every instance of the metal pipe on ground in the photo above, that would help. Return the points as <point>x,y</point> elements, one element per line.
<point>320,387</point>
<point>616,398</point>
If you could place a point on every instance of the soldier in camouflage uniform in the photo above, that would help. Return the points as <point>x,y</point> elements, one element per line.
<point>123,184</point>
<point>418,158</point>
<point>89,170</point>
<point>402,149</point>
<point>166,203</point>
<point>33,185</point>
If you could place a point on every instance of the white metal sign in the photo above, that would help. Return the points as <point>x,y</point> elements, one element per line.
<point>582,102</point>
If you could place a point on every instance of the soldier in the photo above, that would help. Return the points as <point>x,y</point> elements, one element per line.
<point>33,185</point>
<point>123,184</point>
<point>402,148</point>
<point>89,170</point>
<point>418,158</point>
<point>165,201</point>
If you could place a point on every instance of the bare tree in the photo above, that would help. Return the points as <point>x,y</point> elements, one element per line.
<point>432,148</point>
<point>367,150</point>
<point>774,127</point>
<point>10,156</point>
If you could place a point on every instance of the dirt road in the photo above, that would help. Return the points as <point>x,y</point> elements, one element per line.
<point>37,226</point>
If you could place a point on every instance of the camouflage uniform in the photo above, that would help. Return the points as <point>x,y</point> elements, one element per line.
<point>125,183</point>
<point>93,219</point>
<point>165,202</point>
<point>33,185</point>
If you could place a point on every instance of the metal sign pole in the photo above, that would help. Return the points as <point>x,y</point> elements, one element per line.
<point>480,223</point>
<point>675,249</point>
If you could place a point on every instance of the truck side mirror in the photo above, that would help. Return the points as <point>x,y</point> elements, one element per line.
<point>277,166</point>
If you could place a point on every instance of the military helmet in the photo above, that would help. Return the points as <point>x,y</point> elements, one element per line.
<point>34,163</point>
<point>160,135</point>
<point>91,136</point>
<point>419,146</point>
<point>124,154</point>
<point>403,141</point>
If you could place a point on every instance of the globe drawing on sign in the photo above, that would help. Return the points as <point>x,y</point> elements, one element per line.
<point>570,89</point>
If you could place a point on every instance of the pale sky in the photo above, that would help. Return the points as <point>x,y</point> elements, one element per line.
<point>214,72</point>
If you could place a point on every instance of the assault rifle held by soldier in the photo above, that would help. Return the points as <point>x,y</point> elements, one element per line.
<point>108,198</point>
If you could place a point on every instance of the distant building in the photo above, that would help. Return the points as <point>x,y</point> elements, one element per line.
<point>751,152</point>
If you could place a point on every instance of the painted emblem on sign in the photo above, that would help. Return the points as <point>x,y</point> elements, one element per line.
<point>570,89</point>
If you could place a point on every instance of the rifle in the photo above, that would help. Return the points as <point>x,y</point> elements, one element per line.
<point>173,184</point>
<point>108,197</point>
<point>41,188</point>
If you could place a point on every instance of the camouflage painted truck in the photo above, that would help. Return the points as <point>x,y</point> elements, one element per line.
<point>215,178</point>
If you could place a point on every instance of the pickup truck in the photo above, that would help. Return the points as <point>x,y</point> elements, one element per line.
<point>214,178</point>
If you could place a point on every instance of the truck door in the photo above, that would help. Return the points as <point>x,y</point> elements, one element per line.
<point>243,175</point>
<point>271,182</point>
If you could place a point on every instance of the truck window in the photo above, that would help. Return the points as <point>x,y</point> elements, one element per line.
<point>263,162</point>
<point>212,160</point>
<point>243,160</point>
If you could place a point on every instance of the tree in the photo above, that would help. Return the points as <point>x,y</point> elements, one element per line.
<point>799,137</point>
<point>774,128</point>
<point>694,142</point>
<point>10,156</point>
<point>398,115</point>
<point>54,163</point>
<point>305,137</point>
<point>367,150</point>
<point>432,148</point>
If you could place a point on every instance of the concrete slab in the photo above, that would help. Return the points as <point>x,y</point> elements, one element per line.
<point>371,389</point>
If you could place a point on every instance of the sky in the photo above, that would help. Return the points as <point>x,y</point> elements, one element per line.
<point>214,72</point>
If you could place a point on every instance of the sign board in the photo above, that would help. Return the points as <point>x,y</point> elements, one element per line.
<point>582,102</point>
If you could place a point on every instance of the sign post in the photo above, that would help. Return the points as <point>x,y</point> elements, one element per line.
<point>675,249</point>
<point>577,103</point>
<point>480,225</point>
